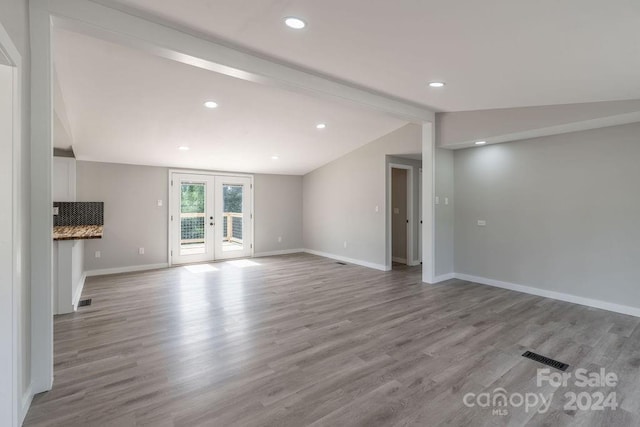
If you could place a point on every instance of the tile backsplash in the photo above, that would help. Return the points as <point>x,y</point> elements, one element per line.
<point>79,213</point>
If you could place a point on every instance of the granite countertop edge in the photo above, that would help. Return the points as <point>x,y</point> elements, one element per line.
<point>77,232</point>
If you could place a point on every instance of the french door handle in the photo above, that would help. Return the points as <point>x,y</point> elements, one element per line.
<point>211,223</point>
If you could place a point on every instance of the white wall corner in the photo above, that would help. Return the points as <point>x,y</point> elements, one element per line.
<point>428,209</point>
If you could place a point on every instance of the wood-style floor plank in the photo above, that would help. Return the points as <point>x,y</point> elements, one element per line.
<point>301,340</point>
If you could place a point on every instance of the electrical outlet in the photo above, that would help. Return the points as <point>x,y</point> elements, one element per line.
<point>345,244</point>
<point>446,200</point>
<point>279,239</point>
<point>98,254</point>
<point>141,251</point>
<point>377,208</point>
<point>56,210</point>
<point>437,200</point>
<point>159,202</point>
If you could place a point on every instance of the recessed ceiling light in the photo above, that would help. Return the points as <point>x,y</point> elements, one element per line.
<point>481,142</point>
<point>295,23</point>
<point>183,148</point>
<point>211,104</point>
<point>436,84</point>
<point>274,157</point>
<point>321,125</point>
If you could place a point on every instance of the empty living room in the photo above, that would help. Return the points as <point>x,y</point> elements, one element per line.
<point>319,213</point>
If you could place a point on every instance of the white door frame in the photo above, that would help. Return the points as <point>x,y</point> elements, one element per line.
<point>210,174</point>
<point>11,343</point>
<point>389,213</point>
<point>247,204</point>
<point>174,216</point>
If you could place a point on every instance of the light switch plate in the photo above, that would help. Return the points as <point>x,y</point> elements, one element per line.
<point>396,211</point>
<point>56,210</point>
<point>159,202</point>
<point>482,223</point>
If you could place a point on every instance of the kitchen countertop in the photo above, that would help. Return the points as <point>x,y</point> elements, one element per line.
<point>77,232</point>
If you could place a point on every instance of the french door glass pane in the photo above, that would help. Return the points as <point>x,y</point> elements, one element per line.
<point>232,218</point>
<point>192,218</point>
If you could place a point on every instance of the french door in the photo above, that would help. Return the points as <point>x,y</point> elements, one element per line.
<point>211,217</point>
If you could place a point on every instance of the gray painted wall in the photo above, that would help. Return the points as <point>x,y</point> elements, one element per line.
<point>340,199</point>
<point>562,213</point>
<point>14,16</point>
<point>278,213</point>
<point>133,219</point>
<point>131,215</point>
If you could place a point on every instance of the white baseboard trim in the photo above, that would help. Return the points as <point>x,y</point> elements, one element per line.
<point>400,260</point>
<point>27,398</point>
<point>589,302</point>
<point>274,253</point>
<point>443,277</point>
<point>367,264</point>
<point>129,269</point>
<point>78,294</point>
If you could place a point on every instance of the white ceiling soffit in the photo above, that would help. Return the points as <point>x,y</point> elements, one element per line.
<point>127,106</point>
<point>492,54</point>
<point>463,129</point>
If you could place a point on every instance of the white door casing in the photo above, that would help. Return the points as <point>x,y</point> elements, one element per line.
<point>226,235</point>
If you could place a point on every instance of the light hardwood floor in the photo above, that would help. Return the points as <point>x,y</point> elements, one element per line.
<point>300,340</point>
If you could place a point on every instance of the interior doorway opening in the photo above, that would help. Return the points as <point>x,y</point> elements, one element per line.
<point>400,216</point>
<point>400,213</point>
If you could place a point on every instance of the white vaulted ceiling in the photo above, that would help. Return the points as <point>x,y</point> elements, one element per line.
<point>118,104</point>
<point>127,106</point>
<point>491,53</point>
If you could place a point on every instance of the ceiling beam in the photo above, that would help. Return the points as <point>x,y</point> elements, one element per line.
<point>145,34</point>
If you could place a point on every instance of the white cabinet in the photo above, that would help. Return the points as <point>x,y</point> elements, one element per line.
<point>68,280</point>
<point>64,179</point>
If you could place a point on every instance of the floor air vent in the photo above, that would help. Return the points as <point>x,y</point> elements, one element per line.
<point>84,302</point>
<point>341,263</point>
<point>545,360</point>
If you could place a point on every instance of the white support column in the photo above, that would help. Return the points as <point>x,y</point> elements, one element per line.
<point>41,203</point>
<point>428,194</point>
